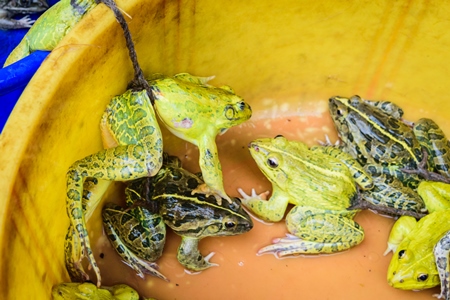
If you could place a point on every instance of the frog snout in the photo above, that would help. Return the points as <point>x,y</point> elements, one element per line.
<point>254,146</point>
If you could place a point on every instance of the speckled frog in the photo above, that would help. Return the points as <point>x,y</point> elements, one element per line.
<point>138,232</point>
<point>421,248</point>
<point>320,182</point>
<point>374,133</point>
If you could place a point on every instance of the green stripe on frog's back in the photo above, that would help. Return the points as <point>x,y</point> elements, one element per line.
<point>194,200</point>
<point>392,130</point>
<point>318,164</point>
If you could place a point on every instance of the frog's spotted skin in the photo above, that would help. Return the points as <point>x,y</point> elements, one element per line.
<point>420,248</point>
<point>51,27</point>
<point>138,232</point>
<point>9,8</point>
<point>134,142</point>
<point>196,112</point>
<point>373,133</point>
<point>433,139</point>
<point>320,221</point>
<point>88,291</point>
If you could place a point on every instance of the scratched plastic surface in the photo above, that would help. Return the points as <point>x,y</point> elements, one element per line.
<point>286,58</point>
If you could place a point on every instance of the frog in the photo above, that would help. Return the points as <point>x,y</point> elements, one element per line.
<point>321,184</point>
<point>421,247</point>
<point>50,28</point>
<point>138,232</point>
<point>201,113</point>
<point>374,133</point>
<point>10,8</point>
<point>88,290</point>
<point>133,148</point>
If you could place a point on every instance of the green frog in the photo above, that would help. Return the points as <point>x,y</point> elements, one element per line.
<point>321,184</point>
<point>9,8</point>
<point>374,133</point>
<point>207,111</point>
<point>421,248</point>
<point>138,232</point>
<point>51,27</point>
<point>87,290</point>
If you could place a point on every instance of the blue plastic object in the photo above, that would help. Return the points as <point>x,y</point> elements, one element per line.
<point>15,77</point>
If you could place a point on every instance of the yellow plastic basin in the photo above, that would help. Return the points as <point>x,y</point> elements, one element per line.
<point>286,58</point>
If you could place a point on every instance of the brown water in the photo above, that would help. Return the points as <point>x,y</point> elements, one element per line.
<point>359,273</point>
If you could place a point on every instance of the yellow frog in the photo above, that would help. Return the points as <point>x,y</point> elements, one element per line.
<point>421,248</point>
<point>320,183</point>
<point>88,291</point>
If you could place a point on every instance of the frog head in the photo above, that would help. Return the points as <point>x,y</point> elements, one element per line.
<point>277,158</point>
<point>201,216</point>
<point>412,269</point>
<point>372,132</point>
<point>73,290</point>
<point>193,109</point>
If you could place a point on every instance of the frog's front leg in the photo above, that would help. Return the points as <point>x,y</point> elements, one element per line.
<point>7,23</point>
<point>399,231</point>
<point>441,256</point>
<point>137,235</point>
<point>316,231</point>
<point>271,210</point>
<point>436,195</point>
<point>190,257</point>
<point>211,170</point>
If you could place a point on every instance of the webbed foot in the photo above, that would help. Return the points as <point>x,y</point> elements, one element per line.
<point>190,257</point>
<point>328,142</point>
<point>208,191</point>
<point>254,195</point>
<point>206,258</point>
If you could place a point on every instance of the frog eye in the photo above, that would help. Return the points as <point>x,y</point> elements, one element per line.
<point>339,112</point>
<point>272,162</point>
<point>401,253</point>
<point>355,100</point>
<point>241,105</point>
<point>229,112</point>
<point>422,277</point>
<point>279,136</point>
<point>230,224</point>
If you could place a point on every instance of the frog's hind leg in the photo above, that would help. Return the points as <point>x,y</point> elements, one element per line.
<point>137,235</point>
<point>316,232</point>
<point>441,255</point>
<point>121,163</point>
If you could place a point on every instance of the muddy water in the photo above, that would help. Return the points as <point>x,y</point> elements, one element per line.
<point>359,273</point>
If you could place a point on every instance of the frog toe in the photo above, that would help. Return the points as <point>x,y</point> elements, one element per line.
<point>208,191</point>
<point>142,267</point>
